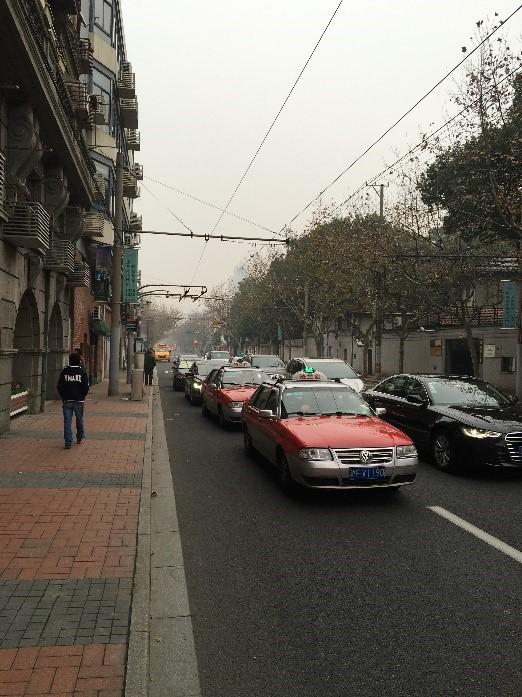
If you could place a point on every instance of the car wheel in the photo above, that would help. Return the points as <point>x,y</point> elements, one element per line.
<point>247,442</point>
<point>286,482</point>
<point>221,419</point>
<point>443,452</point>
<point>204,409</point>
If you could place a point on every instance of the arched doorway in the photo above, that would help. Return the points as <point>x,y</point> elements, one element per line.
<point>26,362</point>
<point>55,352</point>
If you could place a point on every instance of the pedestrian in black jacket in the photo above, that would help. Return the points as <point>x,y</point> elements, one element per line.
<point>149,363</point>
<point>73,387</point>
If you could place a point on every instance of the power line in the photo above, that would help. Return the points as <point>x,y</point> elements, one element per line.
<point>265,137</point>
<point>211,205</point>
<point>425,139</point>
<point>221,238</point>
<point>401,118</point>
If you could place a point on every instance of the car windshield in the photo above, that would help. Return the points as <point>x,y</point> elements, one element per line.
<point>220,354</point>
<point>464,392</point>
<point>203,368</point>
<point>333,370</point>
<point>323,400</point>
<point>244,377</point>
<point>267,362</point>
<point>184,365</point>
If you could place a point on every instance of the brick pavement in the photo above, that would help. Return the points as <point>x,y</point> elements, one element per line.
<point>68,524</point>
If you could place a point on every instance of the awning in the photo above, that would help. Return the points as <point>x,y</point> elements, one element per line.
<point>99,327</point>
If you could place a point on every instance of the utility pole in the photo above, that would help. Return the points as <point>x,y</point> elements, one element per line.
<point>379,190</point>
<point>114,363</point>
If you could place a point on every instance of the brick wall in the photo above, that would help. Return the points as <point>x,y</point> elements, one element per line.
<point>81,308</point>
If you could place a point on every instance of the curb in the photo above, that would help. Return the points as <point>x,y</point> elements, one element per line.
<point>161,655</point>
<point>136,678</point>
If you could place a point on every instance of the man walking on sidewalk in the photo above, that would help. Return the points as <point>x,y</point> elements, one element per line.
<point>149,363</point>
<point>73,387</point>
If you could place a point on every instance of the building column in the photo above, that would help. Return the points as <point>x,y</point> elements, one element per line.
<point>6,376</point>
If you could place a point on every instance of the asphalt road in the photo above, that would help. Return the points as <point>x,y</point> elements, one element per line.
<point>355,594</point>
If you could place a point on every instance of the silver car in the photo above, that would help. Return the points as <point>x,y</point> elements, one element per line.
<point>332,368</point>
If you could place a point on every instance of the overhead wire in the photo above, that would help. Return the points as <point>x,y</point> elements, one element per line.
<point>274,120</point>
<point>401,118</point>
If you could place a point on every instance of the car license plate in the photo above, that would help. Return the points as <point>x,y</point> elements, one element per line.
<point>367,473</point>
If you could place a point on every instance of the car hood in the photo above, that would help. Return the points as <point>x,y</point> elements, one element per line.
<point>503,419</point>
<point>344,432</point>
<point>238,393</point>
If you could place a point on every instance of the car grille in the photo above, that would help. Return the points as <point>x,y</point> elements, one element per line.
<point>513,443</point>
<point>352,456</point>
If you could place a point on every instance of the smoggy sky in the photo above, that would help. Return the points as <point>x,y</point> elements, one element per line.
<point>211,76</point>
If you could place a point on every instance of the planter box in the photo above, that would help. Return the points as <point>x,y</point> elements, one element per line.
<point>19,403</point>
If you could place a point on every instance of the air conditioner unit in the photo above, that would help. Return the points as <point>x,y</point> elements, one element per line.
<point>98,312</point>
<point>137,240</point>
<point>128,239</point>
<point>28,226</point>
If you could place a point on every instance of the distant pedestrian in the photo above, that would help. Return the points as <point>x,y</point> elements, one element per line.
<point>149,365</point>
<point>73,387</point>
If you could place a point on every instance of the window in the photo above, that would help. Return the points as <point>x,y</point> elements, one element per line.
<point>105,171</point>
<point>103,17</point>
<point>507,364</point>
<point>102,85</point>
<point>395,386</point>
<point>329,351</point>
<point>414,387</point>
<point>345,354</point>
<point>272,401</point>
<point>261,397</point>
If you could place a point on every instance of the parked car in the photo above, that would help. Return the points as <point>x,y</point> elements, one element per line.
<point>460,421</point>
<point>225,389</point>
<point>196,375</point>
<point>325,435</point>
<point>180,370</point>
<point>271,364</point>
<point>332,368</point>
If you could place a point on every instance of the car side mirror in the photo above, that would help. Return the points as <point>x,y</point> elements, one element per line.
<point>266,414</point>
<point>416,399</point>
<point>380,411</point>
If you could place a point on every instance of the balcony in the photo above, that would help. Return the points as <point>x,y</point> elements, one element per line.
<point>66,7</point>
<point>126,84</point>
<point>85,56</point>
<point>60,257</point>
<point>80,102</point>
<point>132,136</point>
<point>129,112</point>
<point>80,276</point>
<point>28,226</point>
<point>132,240</point>
<point>130,185</point>
<point>100,188</point>
<point>479,315</point>
<point>93,224</point>
<point>137,171</point>
<point>135,222</point>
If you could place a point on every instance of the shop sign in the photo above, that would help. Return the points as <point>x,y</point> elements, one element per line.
<point>102,274</point>
<point>510,304</point>
<point>130,275</point>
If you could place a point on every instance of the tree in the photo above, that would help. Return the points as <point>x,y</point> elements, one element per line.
<point>159,320</point>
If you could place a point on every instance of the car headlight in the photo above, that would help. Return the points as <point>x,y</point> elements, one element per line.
<point>406,451</point>
<point>314,454</point>
<point>235,405</point>
<point>479,432</point>
<point>196,385</point>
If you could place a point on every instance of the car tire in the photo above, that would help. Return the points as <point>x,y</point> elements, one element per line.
<point>221,419</point>
<point>286,481</point>
<point>250,451</point>
<point>443,452</point>
<point>204,409</point>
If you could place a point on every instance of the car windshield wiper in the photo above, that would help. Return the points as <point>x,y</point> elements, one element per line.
<point>343,413</point>
<point>304,413</point>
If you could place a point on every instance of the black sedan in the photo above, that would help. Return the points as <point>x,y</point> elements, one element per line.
<point>461,421</point>
<point>180,370</point>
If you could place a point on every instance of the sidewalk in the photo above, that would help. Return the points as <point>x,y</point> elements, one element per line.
<point>68,533</point>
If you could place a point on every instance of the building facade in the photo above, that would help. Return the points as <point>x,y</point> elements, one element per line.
<point>54,208</point>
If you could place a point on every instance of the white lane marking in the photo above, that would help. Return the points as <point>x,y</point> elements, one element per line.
<point>477,532</point>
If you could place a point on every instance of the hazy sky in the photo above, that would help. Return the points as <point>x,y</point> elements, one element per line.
<point>211,75</point>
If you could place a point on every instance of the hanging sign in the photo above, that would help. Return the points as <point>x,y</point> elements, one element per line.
<point>130,275</point>
<point>510,304</point>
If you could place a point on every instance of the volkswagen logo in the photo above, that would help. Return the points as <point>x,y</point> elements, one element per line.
<point>365,456</point>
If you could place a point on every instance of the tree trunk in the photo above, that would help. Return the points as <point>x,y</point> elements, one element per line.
<point>402,341</point>
<point>365,360</point>
<point>472,347</point>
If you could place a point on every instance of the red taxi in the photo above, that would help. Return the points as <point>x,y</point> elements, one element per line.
<point>225,390</point>
<point>323,434</point>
